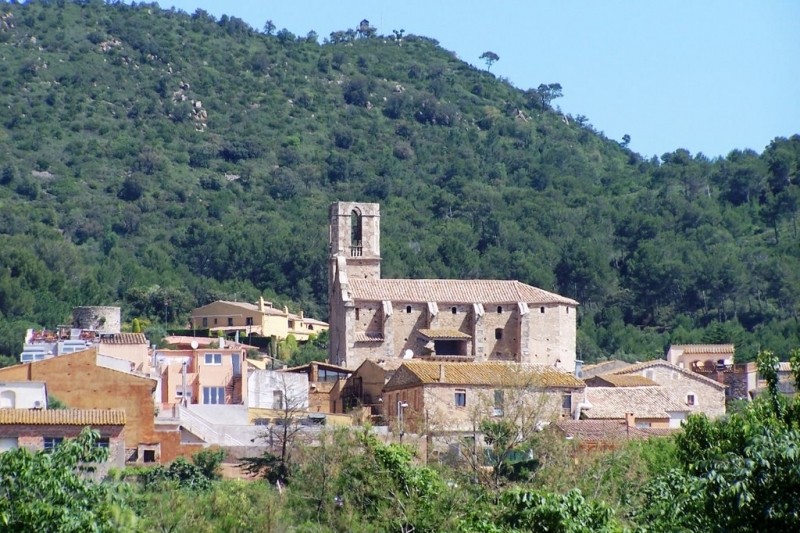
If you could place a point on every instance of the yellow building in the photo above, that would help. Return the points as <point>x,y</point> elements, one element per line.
<point>257,319</point>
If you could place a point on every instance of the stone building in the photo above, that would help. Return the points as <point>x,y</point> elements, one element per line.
<point>440,320</point>
<point>698,393</point>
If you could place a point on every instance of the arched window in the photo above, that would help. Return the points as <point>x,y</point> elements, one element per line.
<point>355,234</point>
<point>8,399</point>
<point>408,309</point>
<point>499,309</point>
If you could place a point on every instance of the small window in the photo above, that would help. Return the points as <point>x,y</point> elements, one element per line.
<point>277,399</point>
<point>50,443</point>
<point>102,442</point>
<point>454,310</point>
<point>499,400</point>
<point>230,321</point>
<point>566,401</point>
<point>541,310</point>
<point>461,398</point>
<point>498,333</point>
<point>567,310</point>
<point>249,321</point>
<point>213,358</point>
<point>215,321</point>
<point>205,322</point>
<point>408,309</point>
<point>358,314</point>
<point>149,456</point>
<point>499,309</point>
<point>691,399</point>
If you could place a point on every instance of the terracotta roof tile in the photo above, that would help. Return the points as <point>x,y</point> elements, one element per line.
<point>124,338</point>
<point>608,430</point>
<point>63,417</point>
<point>704,348</point>
<point>638,367</point>
<point>621,380</point>
<point>452,291</point>
<point>369,337</point>
<point>488,373</point>
<point>444,334</point>
<point>643,402</point>
<point>605,367</point>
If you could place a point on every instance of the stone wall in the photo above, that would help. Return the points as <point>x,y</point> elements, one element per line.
<point>101,319</point>
<point>710,397</point>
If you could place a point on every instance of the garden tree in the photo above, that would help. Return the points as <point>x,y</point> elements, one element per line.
<point>269,27</point>
<point>315,349</point>
<point>46,491</point>
<point>490,58</point>
<point>525,510</point>
<point>199,474</point>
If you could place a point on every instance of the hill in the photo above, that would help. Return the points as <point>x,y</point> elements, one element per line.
<point>158,160</point>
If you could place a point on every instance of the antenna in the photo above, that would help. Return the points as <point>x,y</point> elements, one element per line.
<point>194,344</point>
<point>408,354</point>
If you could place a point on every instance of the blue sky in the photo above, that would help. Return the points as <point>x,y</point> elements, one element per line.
<point>709,76</point>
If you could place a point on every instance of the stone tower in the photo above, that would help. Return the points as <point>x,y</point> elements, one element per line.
<point>355,235</point>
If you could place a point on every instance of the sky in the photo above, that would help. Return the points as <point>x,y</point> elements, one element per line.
<point>709,76</point>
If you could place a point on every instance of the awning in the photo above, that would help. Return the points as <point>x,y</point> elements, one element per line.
<point>444,334</point>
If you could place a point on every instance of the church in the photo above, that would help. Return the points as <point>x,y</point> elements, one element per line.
<point>378,319</point>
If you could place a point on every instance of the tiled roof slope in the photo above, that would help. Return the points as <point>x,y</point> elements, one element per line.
<point>704,348</point>
<point>638,367</point>
<point>452,291</point>
<point>124,338</point>
<point>605,367</point>
<point>621,380</point>
<point>444,334</point>
<point>608,430</point>
<point>498,374</point>
<point>643,402</point>
<point>63,417</point>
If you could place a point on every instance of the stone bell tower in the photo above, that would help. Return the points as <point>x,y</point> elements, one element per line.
<point>355,236</point>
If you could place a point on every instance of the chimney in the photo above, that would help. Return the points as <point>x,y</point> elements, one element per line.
<point>630,420</point>
<point>261,303</point>
<point>441,373</point>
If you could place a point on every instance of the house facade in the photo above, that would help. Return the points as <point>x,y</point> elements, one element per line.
<point>650,406</point>
<point>208,376</point>
<point>258,319</point>
<point>697,392</point>
<point>446,397</point>
<point>23,395</point>
<point>43,429</point>
<point>279,391</point>
<point>436,320</point>
<point>80,381</point>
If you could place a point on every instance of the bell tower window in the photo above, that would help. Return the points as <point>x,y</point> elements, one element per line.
<point>356,249</point>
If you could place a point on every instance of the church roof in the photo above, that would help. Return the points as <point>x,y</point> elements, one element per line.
<point>453,291</point>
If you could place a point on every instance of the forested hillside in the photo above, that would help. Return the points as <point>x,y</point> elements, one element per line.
<point>159,160</point>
